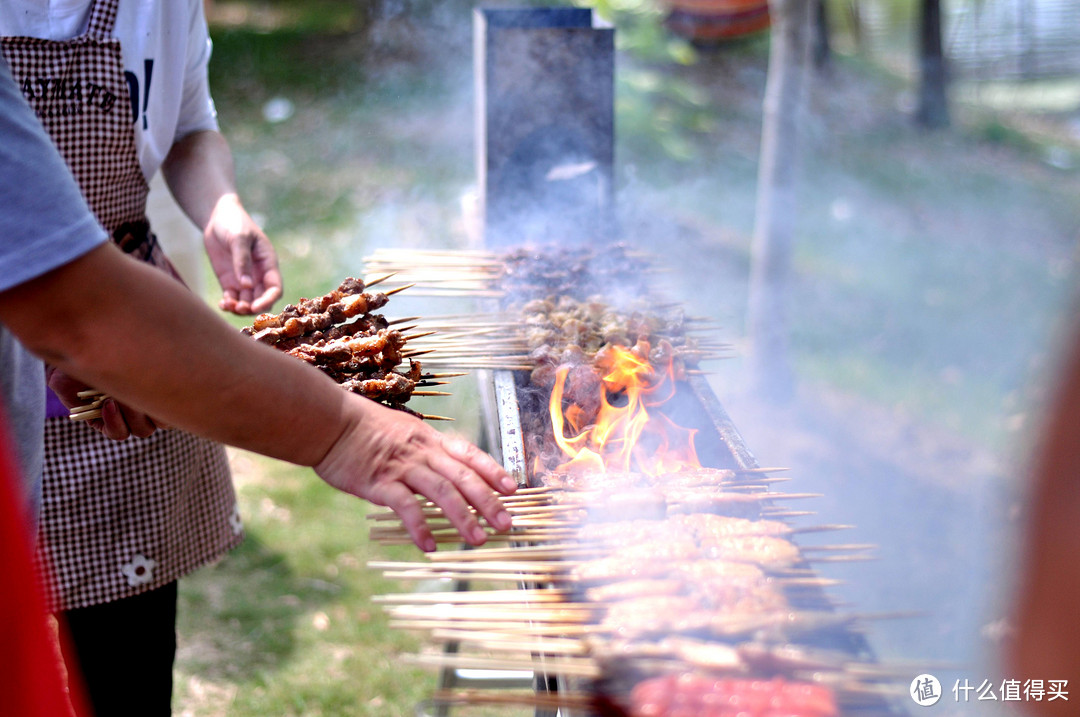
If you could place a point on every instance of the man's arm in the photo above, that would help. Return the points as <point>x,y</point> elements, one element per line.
<point>127,329</point>
<point>1045,645</point>
<point>200,175</point>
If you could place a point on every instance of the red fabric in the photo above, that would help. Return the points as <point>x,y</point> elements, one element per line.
<point>32,680</point>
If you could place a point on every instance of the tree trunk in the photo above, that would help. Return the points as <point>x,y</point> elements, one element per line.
<point>774,220</point>
<point>933,109</point>
<point>822,46</point>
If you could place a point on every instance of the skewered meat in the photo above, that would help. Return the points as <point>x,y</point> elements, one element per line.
<point>629,589</point>
<point>657,502</point>
<point>635,531</point>
<point>621,481</point>
<point>348,288</point>
<point>361,355</point>
<point>364,325</point>
<point>690,695</point>
<point>390,388</point>
<point>285,326</point>
<point>649,560</point>
<point>594,481</point>
<point>649,615</point>
<point>535,273</point>
<point>767,551</point>
<point>341,351</point>
<point>720,606</point>
<point>641,503</point>
<point>708,527</point>
<point>652,559</point>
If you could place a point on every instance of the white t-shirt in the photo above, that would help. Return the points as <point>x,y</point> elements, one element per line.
<point>164,43</point>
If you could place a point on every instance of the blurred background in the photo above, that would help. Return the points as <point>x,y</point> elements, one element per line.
<point>933,270</point>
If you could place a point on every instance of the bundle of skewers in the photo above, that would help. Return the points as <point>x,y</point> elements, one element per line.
<point>341,334</point>
<point>555,306</point>
<point>522,273</point>
<point>542,334</point>
<point>667,582</point>
<point>90,410</point>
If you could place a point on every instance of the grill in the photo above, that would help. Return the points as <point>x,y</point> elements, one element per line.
<point>553,158</point>
<point>808,637</point>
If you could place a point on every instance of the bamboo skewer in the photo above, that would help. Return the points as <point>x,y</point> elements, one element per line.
<point>451,537</point>
<point>493,566</point>
<point>555,567</point>
<point>512,507</point>
<point>88,411</point>
<point>86,415</point>
<point>522,553</point>
<point>413,337</point>
<point>500,641</point>
<point>521,628</point>
<point>380,280</point>
<point>549,700</point>
<point>567,667</point>
<point>391,292</point>
<point>565,613</point>
<point>87,407</point>
<point>513,577</point>
<point>837,548</point>
<point>542,595</point>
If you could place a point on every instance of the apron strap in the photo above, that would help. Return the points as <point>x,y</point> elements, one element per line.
<point>102,19</point>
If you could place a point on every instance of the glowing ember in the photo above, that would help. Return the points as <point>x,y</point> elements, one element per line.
<point>625,435</point>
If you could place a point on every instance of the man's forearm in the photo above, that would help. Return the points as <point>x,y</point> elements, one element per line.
<point>173,358</point>
<point>199,171</point>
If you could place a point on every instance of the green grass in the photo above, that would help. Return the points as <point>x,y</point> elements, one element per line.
<point>284,625</point>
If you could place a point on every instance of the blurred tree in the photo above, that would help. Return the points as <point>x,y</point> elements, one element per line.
<point>933,107</point>
<point>774,215</point>
<point>822,47</point>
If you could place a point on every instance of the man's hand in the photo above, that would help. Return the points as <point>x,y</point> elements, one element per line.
<point>118,421</point>
<point>243,259</point>
<point>387,457</point>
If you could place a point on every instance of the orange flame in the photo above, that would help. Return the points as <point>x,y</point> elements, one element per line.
<point>625,435</point>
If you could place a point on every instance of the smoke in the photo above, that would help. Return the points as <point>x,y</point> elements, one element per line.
<point>929,273</point>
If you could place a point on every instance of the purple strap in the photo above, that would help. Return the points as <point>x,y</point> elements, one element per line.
<point>53,407</point>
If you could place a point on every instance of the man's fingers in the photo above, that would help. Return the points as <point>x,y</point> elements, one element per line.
<point>446,494</point>
<point>228,300</point>
<point>140,424</point>
<point>113,424</point>
<point>268,290</point>
<point>484,465</point>
<point>474,489</point>
<point>240,248</point>
<point>263,299</point>
<point>402,501</point>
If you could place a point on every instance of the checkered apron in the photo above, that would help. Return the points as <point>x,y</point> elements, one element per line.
<point>117,518</point>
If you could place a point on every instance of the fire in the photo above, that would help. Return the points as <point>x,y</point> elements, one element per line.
<point>626,435</point>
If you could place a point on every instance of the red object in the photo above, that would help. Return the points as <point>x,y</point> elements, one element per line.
<point>32,677</point>
<point>692,695</point>
<point>711,20</point>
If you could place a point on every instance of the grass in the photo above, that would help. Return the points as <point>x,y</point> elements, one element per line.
<point>284,625</point>
<point>929,271</point>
